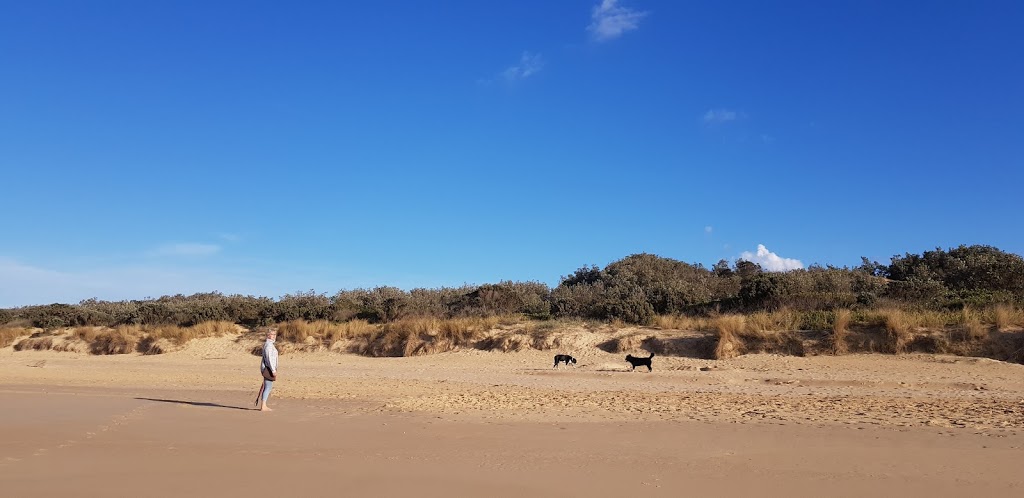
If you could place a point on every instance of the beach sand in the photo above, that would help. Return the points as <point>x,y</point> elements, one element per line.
<point>507,424</point>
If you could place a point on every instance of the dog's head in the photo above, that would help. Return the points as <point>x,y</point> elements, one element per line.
<point>572,360</point>
<point>629,357</point>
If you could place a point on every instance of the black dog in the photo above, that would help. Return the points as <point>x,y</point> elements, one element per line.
<point>564,358</point>
<point>637,362</point>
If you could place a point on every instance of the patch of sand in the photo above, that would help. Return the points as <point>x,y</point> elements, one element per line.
<point>506,424</point>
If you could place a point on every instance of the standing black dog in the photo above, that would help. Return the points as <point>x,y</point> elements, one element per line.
<point>564,358</point>
<point>637,362</point>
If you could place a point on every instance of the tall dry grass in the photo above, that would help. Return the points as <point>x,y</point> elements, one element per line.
<point>783,320</point>
<point>1001,316</point>
<point>982,331</point>
<point>682,322</point>
<point>180,336</point>
<point>9,334</point>
<point>841,329</point>
<point>973,330</point>
<point>147,339</point>
<point>729,328</point>
<point>1005,317</point>
<point>322,334</point>
<point>122,339</point>
<point>899,328</point>
<point>419,336</point>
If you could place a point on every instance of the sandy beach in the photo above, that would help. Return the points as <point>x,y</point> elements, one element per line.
<point>507,424</point>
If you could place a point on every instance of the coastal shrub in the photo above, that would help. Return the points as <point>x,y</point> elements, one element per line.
<point>378,305</point>
<point>308,306</point>
<point>930,287</point>
<point>444,302</point>
<point>763,291</point>
<point>506,298</point>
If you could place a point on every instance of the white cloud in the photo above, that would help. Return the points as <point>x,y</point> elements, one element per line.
<point>719,116</point>
<point>609,21</point>
<point>771,261</point>
<point>529,64</point>
<point>709,229</point>
<point>186,249</point>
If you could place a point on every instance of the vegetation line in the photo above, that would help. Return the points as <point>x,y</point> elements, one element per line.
<point>966,300</point>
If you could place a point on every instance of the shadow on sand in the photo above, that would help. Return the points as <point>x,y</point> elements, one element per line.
<point>194,403</point>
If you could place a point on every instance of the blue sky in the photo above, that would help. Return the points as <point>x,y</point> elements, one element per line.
<point>152,148</point>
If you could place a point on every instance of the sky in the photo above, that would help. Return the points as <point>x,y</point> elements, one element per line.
<point>267,148</point>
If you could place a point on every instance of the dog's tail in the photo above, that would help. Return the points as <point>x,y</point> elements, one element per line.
<point>651,356</point>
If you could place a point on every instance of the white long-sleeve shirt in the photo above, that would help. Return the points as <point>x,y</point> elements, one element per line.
<point>270,354</point>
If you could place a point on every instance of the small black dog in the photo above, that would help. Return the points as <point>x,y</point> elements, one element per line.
<point>637,362</point>
<point>564,358</point>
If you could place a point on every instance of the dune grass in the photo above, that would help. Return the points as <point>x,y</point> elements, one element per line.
<point>419,336</point>
<point>898,326</point>
<point>1005,317</point>
<point>775,321</point>
<point>840,329</point>
<point>683,322</point>
<point>729,328</point>
<point>973,329</point>
<point>10,334</point>
<point>990,331</point>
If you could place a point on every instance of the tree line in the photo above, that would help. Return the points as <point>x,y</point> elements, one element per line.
<point>635,289</point>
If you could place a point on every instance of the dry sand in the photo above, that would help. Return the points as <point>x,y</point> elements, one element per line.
<point>507,424</point>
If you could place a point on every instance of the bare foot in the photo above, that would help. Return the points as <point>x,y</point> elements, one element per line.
<point>265,408</point>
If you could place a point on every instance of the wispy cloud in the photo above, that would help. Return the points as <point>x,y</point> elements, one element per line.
<point>529,64</point>
<point>771,261</point>
<point>186,249</point>
<point>709,229</point>
<point>609,21</point>
<point>719,116</point>
<point>26,284</point>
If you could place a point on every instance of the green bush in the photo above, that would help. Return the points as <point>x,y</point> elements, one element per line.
<point>634,289</point>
